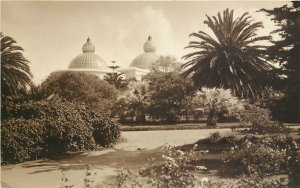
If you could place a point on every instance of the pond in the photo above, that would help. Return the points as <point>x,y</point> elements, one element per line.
<point>132,152</point>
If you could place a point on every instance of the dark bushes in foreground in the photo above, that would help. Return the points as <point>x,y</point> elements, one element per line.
<point>43,129</point>
<point>263,156</point>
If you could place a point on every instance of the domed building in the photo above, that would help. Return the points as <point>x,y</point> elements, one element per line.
<point>89,62</point>
<point>141,65</point>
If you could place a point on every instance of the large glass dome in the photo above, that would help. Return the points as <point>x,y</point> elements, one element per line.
<point>88,59</point>
<point>145,60</point>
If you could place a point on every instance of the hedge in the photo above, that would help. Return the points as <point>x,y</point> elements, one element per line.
<point>47,128</point>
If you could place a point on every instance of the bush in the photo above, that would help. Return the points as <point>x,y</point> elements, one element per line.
<point>260,121</point>
<point>21,140</point>
<point>261,156</point>
<point>214,137</point>
<point>176,170</point>
<point>47,128</point>
<point>294,164</point>
<point>80,87</point>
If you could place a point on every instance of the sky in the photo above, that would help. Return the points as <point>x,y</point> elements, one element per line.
<point>52,33</point>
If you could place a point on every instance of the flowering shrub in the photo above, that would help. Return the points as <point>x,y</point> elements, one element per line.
<point>217,101</point>
<point>43,129</point>
<point>176,170</point>
<point>263,156</point>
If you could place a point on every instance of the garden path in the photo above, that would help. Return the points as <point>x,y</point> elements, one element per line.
<point>133,152</point>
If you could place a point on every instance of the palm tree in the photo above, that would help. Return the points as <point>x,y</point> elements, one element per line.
<point>232,59</point>
<point>136,97</point>
<point>15,71</point>
<point>116,79</point>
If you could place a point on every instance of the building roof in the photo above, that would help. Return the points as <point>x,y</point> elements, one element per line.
<point>88,59</point>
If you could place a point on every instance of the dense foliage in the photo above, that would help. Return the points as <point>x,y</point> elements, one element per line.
<point>259,156</point>
<point>116,79</point>
<point>234,61</point>
<point>169,94</point>
<point>166,64</point>
<point>82,88</point>
<point>133,102</point>
<point>46,128</point>
<point>286,52</point>
<point>259,119</point>
<point>15,71</point>
<point>217,102</point>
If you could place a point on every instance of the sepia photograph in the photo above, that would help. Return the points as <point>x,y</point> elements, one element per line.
<point>150,94</point>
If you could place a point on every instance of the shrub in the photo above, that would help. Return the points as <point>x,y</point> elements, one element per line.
<point>256,182</point>
<point>47,128</point>
<point>214,137</point>
<point>294,165</point>
<point>105,131</point>
<point>21,140</point>
<point>260,121</point>
<point>263,156</point>
<point>176,170</point>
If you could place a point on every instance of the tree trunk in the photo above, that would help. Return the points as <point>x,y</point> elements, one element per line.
<point>212,119</point>
<point>140,116</point>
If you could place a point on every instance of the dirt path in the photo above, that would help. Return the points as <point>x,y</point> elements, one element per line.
<point>132,153</point>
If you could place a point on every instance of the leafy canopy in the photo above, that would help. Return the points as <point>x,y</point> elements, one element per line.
<point>218,100</point>
<point>286,52</point>
<point>166,64</point>
<point>168,94</point>
<point>80,87</point>
<point>116,79</point>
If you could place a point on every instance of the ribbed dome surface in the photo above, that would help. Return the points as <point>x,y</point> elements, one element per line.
<point>88,59</point>
<point>145,60</point>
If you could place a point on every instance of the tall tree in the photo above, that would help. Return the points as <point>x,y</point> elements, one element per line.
<point>136,99</point>
<point>80,87</point>
<point>116,79</point>
<point>169,95</point>
<point>286,52</point>
<point>166,64</point>
<point>231,59</point>
<point>15,71</point>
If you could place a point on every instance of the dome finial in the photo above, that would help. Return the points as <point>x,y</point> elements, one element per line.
<point>149,46</point>
<point>88,47</point>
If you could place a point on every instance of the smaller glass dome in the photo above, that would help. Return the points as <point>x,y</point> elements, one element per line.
<point>145,60</point>
<point>88,59</point>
